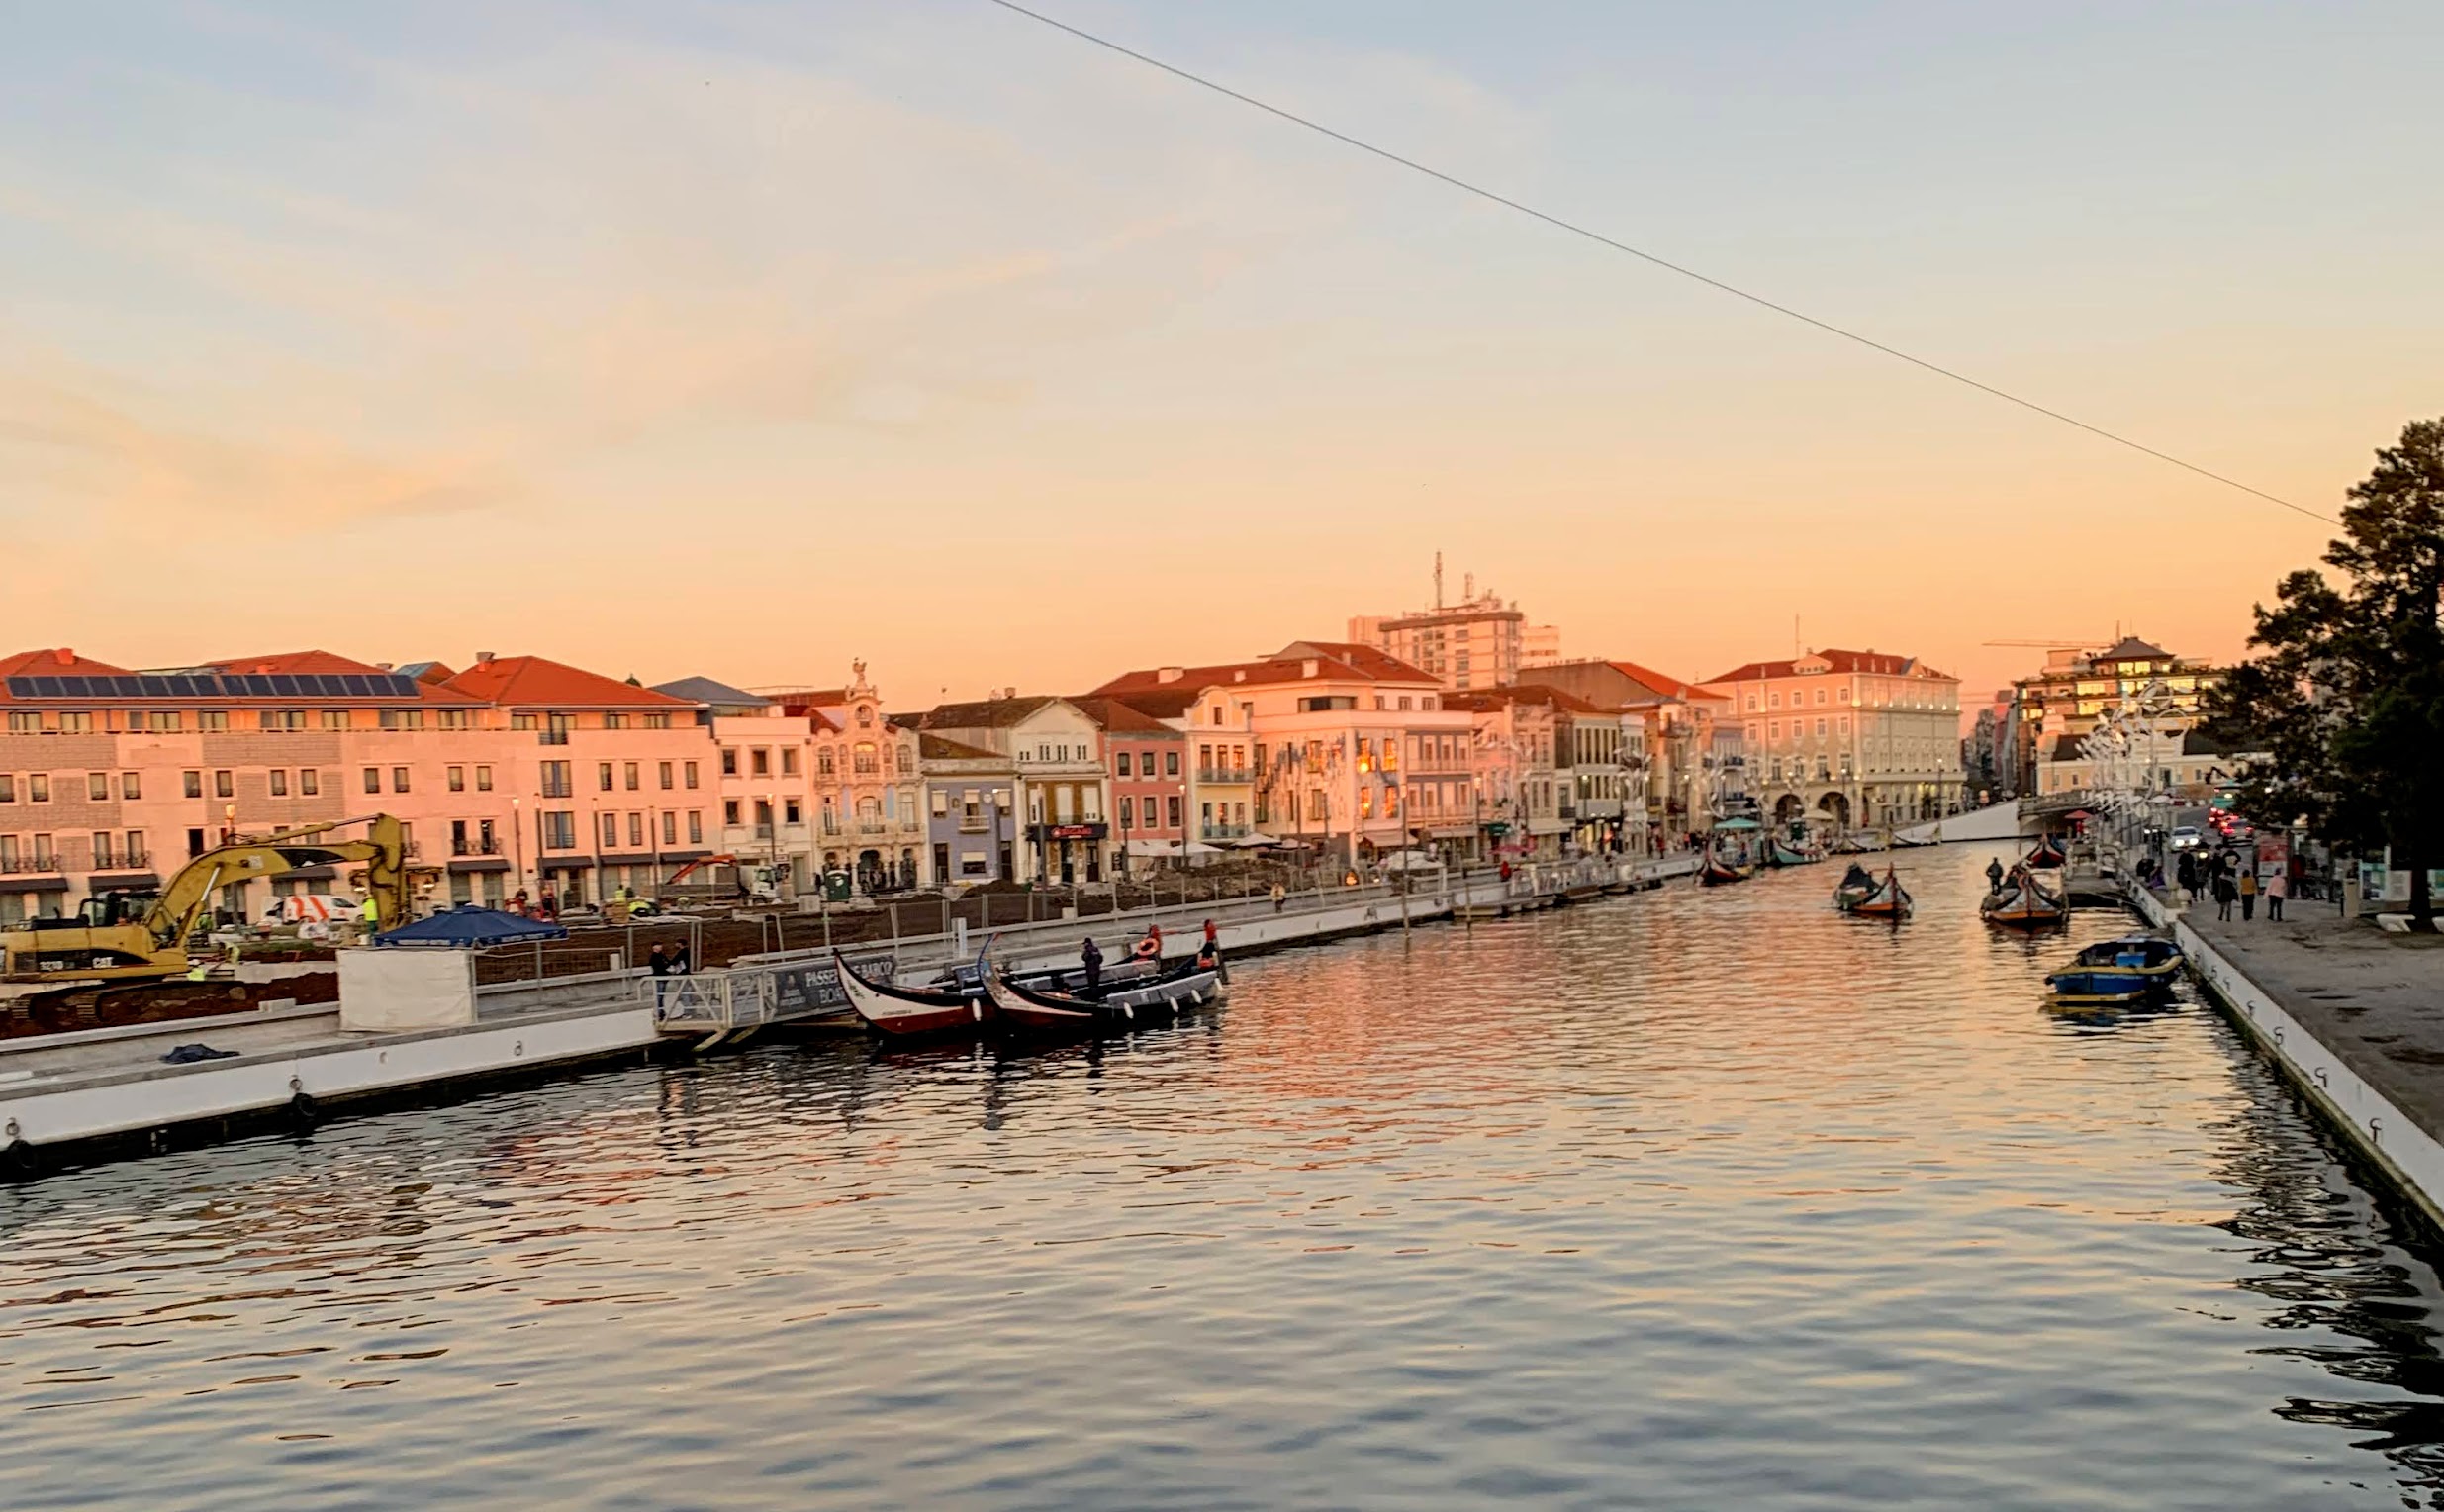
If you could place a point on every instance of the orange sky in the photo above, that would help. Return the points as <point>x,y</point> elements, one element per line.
<point>781,340</point>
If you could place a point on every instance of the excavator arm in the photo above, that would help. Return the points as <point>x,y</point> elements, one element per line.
<point>383,853</point>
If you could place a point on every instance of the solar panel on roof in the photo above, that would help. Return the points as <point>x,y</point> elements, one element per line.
<point>358,684</point>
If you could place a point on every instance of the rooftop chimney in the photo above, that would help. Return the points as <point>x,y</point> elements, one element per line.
<point>382,666</point>
<point>482,657</point>
<point>64,657</point>
<point>1239,675</point>
<point>1170,674</point>
<point>1310,667</point>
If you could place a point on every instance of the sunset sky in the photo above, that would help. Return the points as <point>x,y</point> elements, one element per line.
<point>743,339</point>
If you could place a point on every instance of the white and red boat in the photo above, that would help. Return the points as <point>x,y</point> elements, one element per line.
<point>909,1011</point>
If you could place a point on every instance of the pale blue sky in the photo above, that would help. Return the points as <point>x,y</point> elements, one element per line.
<point>794,308</point>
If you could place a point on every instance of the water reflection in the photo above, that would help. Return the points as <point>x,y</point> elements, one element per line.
<point>1693,1199</point>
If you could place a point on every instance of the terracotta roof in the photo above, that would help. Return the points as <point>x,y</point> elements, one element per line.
<point>1870,662</point>
<point>1664,684</point>
<point>984,714</point>
<point>1558,698</point>
<point>1118,714</point>
<point>60,662</point>
<point>293,662</point>
<point>1373,661</point>
<point>932,747</point>
<point>1165,703</point>
<point>538,680</point>
<point>1363,664</point>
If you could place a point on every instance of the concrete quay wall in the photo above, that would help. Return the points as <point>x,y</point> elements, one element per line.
<point>2388,1135</point>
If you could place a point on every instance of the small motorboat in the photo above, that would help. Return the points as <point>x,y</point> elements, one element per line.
<point>2142,954</point>
<point>2096,988</point>
<point>2024,902</point>
<point>909,1011</point>
<point>2047,854</point>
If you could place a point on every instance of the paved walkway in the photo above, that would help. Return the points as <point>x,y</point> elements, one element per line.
<point>2374,999</point>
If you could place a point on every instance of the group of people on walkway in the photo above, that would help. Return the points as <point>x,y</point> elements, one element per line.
<point>2228,879</point>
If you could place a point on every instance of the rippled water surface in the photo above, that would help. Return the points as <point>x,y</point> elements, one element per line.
<point>1705,1200</point>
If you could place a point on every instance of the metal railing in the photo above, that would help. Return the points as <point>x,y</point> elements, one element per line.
<point>1224,831</point>
<point>551,737</point>
<point>1225,775</point>
<point>477,847</point>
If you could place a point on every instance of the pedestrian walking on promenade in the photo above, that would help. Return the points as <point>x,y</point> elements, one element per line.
<point>659,963</point>
<point>2278,888</point>
<point>2225,893</point>
<point>2248,893</point>
<point>2185,870</point>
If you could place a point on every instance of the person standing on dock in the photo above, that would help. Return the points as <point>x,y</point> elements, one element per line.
<point>2248,894</point>
<point>2277,886</point>
<point>1090,956</point>
<point>1280,896</point>
<point>1994,874</point>
<point>658,962</point>
<point>2225,893</point>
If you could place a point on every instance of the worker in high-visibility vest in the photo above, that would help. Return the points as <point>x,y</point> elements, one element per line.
<point>370,913</point>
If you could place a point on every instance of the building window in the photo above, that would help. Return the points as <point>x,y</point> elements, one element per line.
<point>1170,763</point>
<point>399,779</point>
<point>729,762</point>
<point>279,782</point>
<point>657,722</point>
<point>37,787</point>
<point>670,827</point>
<point>97,787</point>
<point>688,771</point>
<point>696,826</point>
<point>212,719</point>
<point>823,761</point>
<point>627,776</point>
<point>611,831</point>
<point>1122,764</point>
<point>521,722</point>
<point>8,787</point>
<point>373,779</point>
<point>729,811</point>
<point>663,772</point>
<point>309,782</point>
<point>603,775</point>
<point>483,779</point>
<point>24,724</point>
<point>555,779</point>
<point>402,719</point>
<point>636,831</point>
<point>614,722</point>
<point>559,830</point>
<point>456,779</point>
<point>759,762</point>
<point>224,784</point>
<point>334,719</point>
<point>76,724</point>
<point>788,760</point>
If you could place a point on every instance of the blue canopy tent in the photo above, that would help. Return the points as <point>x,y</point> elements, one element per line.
<point>468,928</point>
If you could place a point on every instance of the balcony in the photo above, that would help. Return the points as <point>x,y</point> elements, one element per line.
<point>474,847</point>
<point>974,824</point>
<point>1225,775</point>
<point>119,860</point>
<point>1223,831</point>
<point>551,737</point>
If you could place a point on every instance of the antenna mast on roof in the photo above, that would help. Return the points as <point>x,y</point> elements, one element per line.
<point>1438,580</point>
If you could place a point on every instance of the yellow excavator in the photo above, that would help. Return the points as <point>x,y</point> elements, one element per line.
<point>133,936</point>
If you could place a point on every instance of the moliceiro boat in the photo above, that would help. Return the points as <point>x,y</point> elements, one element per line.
<point>1039,1010</point>
<point>2024,902</point>
<point>908,1012</point>
<point>2048,853</point>
<point>2082,988</point>
<point>2135,954</point>
<point>1863,892</point>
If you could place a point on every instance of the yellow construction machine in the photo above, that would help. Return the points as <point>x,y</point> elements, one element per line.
<point>133,936</point>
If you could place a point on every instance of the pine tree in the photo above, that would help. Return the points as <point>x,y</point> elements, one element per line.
<point>2348,696</point>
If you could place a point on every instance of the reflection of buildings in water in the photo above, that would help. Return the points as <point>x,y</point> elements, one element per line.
<point>2337,1261</point>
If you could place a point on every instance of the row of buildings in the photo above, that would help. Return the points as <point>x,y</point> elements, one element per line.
<point>2128,714</point>
<point>521,774</point>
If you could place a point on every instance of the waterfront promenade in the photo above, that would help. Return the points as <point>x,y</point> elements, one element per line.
<point>2356,1015</point>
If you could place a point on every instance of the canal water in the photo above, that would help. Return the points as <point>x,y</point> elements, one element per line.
<point>1695,1199</point>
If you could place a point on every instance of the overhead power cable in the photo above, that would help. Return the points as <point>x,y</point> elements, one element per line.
<point>1572,227</point>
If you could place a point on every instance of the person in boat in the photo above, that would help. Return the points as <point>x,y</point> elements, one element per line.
<point>1149,947</point>
<point>1090,956</point>
<point>1994,874</point>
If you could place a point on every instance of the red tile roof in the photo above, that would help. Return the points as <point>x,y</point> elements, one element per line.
<point>293,661</point>
<point>1664,683</point>
<point>1335,660</point>
<point>1373,661</point>
<point>60,662</point>
<point>538,682</point>
<point>1871,663</point>
<point>1111,713</point>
